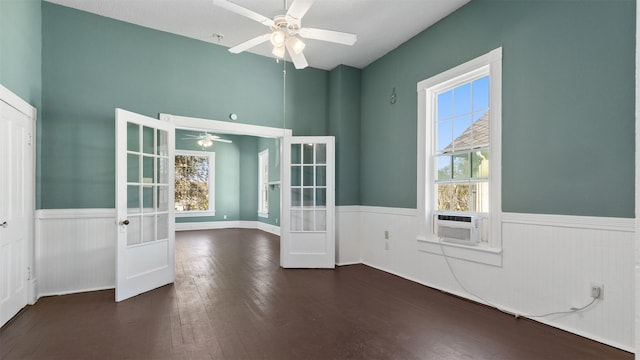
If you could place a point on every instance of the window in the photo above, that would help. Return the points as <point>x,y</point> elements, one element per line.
<point>459,138</point>
<point>263,183</point>
<point>194,183</point>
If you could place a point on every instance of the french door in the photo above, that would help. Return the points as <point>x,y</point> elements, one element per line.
<point>16,207</point>
<point>308,202</point>
<point>144,204</point>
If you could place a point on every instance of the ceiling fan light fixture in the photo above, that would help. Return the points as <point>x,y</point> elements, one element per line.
<point>278,38</point>
<point>296,44</point>
<point>205,142</point>
<point>278,51</point>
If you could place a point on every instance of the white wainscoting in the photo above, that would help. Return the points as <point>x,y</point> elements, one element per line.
<point>348,235</point>
<point>75,250</point>
<point>548,265</point>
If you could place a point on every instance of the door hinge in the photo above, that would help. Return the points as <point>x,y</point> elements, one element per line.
<point>29,138</point>
<point>28,272</point>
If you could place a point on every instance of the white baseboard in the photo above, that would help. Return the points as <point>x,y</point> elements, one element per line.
<point>75,291</point>
<point>32,291</point>
<point>213,225</point>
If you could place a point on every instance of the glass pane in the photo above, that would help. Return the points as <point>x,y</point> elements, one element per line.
<point>461,166</point>
<point>473,197</point>
<point>480,164</point>
<point>480,197</point>
<point>481,94</point>
<point>147,198</point>
<point>133,168</point>
<point>308,220</point>
<point>163,171</point>
<point>307,199</point>
<point>462,99</point>
<point>149,228</point>
<point>460,197</point>
<point>133,137</point>
<point>163,198</point>
<point>444,196</point>
<point>321,197</point>
<point>296,220</point>
<point>148,168</point>
<point>462,132</point>
<point>307,155</point>
<point>296,176</point>
<point>444,167</point>
<point>133,230</point>
<point>147,140</point>
<point>445,136</point>
<point>296,152</point>
<point>307,176</point>
<point>321,176</point>
<point>481,129</point>
<point>321,153</point>
<point>163,143</point>
<point>445,106</point>
<point>163,226</point>
<point>321,220</point>
<point>133,199</point>
<point>296,197</point>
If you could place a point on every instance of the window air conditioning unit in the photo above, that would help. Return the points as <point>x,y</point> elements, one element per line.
<point>461,229</point>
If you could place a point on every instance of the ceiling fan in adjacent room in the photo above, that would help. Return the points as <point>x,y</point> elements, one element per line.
<point>205,139</point>
<point>286,31</point>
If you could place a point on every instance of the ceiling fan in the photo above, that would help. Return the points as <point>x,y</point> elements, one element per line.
<point>285,31</point>
<point>205,139</point>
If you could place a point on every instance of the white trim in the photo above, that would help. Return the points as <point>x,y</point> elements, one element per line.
<point>191,123</point>
<point>263,159</point>
<point>481,254</point>
<point>262,214</point>
<point>76,291</point>
<point>347,263</point>
<point>237,224</point>
<point>571,221</point>
<point>637,186</point>
<point>348,209</point>
<point>388,210</point>
<point>17,103</point>
<point>272,229</point>
<point>47,214</point>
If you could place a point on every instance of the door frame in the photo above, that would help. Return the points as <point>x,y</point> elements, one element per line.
<point>24,107</point>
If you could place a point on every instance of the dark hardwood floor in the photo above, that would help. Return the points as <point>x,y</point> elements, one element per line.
<point>231,300</point>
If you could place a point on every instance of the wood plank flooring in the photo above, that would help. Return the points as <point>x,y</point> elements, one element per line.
<point>231,300</point>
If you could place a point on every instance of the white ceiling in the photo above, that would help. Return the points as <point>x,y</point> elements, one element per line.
<point>381,25</point>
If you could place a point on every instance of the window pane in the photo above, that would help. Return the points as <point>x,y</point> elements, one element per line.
<point>149,228</point>
<point>307,198</point>
<point>192,183</point>
<point>133,137</point>
<point>321,197</point>
<point>295,154</point>
<point>460,197</point>
<point>133,230</point>
<point>444,196</point>
<point>133,168</point>
<point>480,164</point>
<point>147,140</point>
<point>321,153</point>
<point>296,176</point>
<point>462,100</point>
<point>445,105</point>
<point>163,144</point>
<point>147,198</point>
<point>308,220</point>
<point>296,220</point>
<point>461,166</point>
<point>445,136</point>
<point>481,94</point>
<point>321,220</point>
<point>148,168</point>
<point>163,226</point>
<point>481,129</point>
<point>462,136</point>
<point>133,199</point>
<point>296,197</point>
<point>307,176</point>
<point>480,197</point>
<point>163,171</point>
<point>444,167</point>
<point>321,176</point>
<point>307,153</point>
<point>163,198</point>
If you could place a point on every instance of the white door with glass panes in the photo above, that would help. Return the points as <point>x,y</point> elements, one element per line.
<point>308,202</point>
<point>144,204</point>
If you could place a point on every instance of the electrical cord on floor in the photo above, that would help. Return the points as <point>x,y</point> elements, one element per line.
<point>571,310</point>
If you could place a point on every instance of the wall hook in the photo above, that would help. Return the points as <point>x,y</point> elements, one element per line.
<point>394,97</point>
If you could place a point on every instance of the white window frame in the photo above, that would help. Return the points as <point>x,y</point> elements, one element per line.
<point>212,184</point>
<point>263,208</point>
<point>487,252</point>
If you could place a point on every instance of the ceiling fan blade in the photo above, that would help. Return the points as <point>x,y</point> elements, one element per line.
<point>298,8</point>
<point>329,35</point>
<point>228,5</point>
<point>250,43</point>
<point>223,140</point>
<point>299,61</point>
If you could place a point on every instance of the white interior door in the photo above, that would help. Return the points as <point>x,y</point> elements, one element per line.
<point>16,207</point>
<point>308,202</point>
<point>144,202</point>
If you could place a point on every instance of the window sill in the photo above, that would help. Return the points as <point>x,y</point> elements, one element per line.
<point>179,214</point>
<point>483,253</point>
<point>263,214</point>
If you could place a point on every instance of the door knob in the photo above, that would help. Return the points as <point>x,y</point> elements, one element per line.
<point>4,224</point>
<point>124,222</point>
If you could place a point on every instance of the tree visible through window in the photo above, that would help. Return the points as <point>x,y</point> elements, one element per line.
<point>193,182</point>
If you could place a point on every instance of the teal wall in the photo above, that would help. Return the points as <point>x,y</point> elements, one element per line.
<point>21,57</point>
<point>93,64</point>
<point>249,178</point>
<point>568,104</point>
<point>344,124</point>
